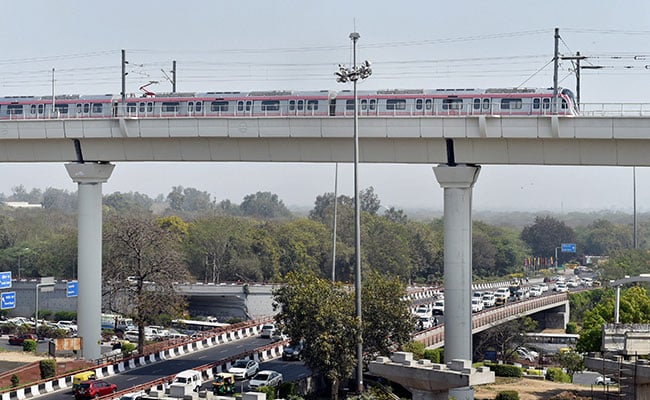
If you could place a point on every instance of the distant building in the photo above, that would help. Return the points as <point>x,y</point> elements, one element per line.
<point>22,204</point>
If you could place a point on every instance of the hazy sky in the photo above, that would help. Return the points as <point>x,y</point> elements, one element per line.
<point>253,45</point>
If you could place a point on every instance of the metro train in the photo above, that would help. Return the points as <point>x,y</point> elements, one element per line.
<point>324,103</point>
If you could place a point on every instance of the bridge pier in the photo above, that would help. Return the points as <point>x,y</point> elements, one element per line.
<point>89,177</point>
<point>428,381</point>
<point>457,182</point>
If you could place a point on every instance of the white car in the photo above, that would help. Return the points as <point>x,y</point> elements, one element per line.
<point>438,307</point>
<point>543,286</point>
<point>268,330</point>
<point>477,304</point>
<point>243,369</point>
<point>488,300</point>
<point>604,380</point>
<point>67,325</point>
<point>265,378</point>
<point>535,291</point>
<point>561,287</point>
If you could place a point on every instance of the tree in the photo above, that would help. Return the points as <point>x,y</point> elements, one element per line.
<point>572,362</point>
<point>369,201</point>
<point>142,262</point>
<point>602,237</point>
<point>506,337</point>
<point>385,246</point>
<point>546,234</point>
<point>322,313</point>
<point>128,202</point>
<point>264,205</point>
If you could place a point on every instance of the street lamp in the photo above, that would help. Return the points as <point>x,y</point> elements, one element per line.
<point>344,75</point>
<point>48,285</point>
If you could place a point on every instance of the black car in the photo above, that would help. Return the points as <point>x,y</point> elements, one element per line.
<point>293,351</point>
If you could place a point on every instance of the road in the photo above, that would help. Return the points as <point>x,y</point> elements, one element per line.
<point>133,377</point>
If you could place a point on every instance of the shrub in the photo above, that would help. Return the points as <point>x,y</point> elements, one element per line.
<point>571,327</point>
<point>436,356</point>
<point>416,348</point>
<point>14,380</point>
<point>65,316</point>
<point>127,348</point>
<point>48,368</point>
<point>506,370</point>
<point>286,389</point>
<point>507,395</point>
<point>270,392</point>
<point>534,372</point>
<point>557,375</point>
<point>29,345</point>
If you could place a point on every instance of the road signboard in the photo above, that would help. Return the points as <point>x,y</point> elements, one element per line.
<point>568,247</point>
<point>5,280</point>
<point>72,289</point>
<point>7,300</point>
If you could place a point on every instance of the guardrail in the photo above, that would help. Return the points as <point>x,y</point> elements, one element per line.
<point>153,353</point>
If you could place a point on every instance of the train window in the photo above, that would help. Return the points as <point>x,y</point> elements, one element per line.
<point>79,108</point>
<point>32,109</point>
<point>143,106</point>
<point>292,105</point>
<point>395,104</point>
<point>418,104</point>
<point>219,106</point>
<point>198,106</point>
<point>86,108</point>
<point>312,104</point>
<point>364,104</point>
<point>97,108</point>
<point>486,104</point>
<point>349,105</point>
<point>41,108</point>
<point>536,104</point>
<point>61,108</point>
<point>477,104</point>
<point>546,103</point>
<point>511,104</point>
<point>190,106</point>
<point>270,105</point>
<point>170,106</point>
<point>301,105</point>
<point>131,107</point>
<point>428,104</point>
<point>240,106</point>
<point>452,104</point>
<point>14,109</point>
<point>373,104</point>
<point>564,104</point>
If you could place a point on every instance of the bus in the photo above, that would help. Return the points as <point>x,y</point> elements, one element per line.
<point>550,342</point>
<point>117,321</point>
<point>190,325</point>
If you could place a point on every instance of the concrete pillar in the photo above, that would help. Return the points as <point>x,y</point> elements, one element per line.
<point>457,182</point>
<point>89,177</point>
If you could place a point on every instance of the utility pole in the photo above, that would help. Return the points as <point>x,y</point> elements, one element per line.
<point>577,59</point>
<point>556,64</point>
<point>124,73</point>
<point>174,76</point>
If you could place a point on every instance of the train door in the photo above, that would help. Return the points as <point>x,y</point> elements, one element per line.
<point>367,106</point>
<point>244,107</point>
<point>83,110</point>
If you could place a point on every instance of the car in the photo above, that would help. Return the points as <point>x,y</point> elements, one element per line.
<point>134,395</point>
<point>438,307</point>
<point>477,304</point>
<point>603,380</point>
<point>243,369</point>
<point>265,378</point>
<point>543,286</point>
<point>422,311</point>
<point>488,300</point>
<point>190,379</point>
<point>523,355</point>
<point>535,291</point>
<point>268,330</point>
<point>93,389</point>
<point>561,287</point>
<point>501,296</point>
<point>70,326</point>
<point>20,339</point>
<point>532,353</point>
<point>293,351</point>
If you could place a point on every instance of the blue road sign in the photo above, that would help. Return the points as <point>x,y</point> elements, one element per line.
<point>72,289</point>
<point>5,280</point>
<point>568,247</point>
<point>7,300</point>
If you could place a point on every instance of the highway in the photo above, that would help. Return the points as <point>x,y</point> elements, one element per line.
<point>290,370</point>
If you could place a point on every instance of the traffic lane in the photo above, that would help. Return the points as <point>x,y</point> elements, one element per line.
<point>162,369</point>
<point>290,370</point>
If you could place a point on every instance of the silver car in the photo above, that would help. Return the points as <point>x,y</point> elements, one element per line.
<point>265,378</point>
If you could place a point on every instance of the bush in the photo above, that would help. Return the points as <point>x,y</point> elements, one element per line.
<point>127,348</point>
<point>270,392</point>
<point>48,368</point>
<point>14,380</point>
<point>571,327</point>
<point>436,356</point>
<point>29,345</point>
<point>416,348</point>
<point>506,370</point>
<point>557,375</point>
<point>65,316</point>
<point>535,372</point>
<point>286,389</point>
<point>507,395</point>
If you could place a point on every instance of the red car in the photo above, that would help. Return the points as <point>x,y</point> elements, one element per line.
<point>94,389</point>
<point>18,340</point>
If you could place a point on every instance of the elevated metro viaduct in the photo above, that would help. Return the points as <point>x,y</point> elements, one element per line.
<point>457,145</point>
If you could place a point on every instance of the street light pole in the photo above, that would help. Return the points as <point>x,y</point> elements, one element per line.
<point>49,284</point>
<point>344,75</point>
<point>556,259</point>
